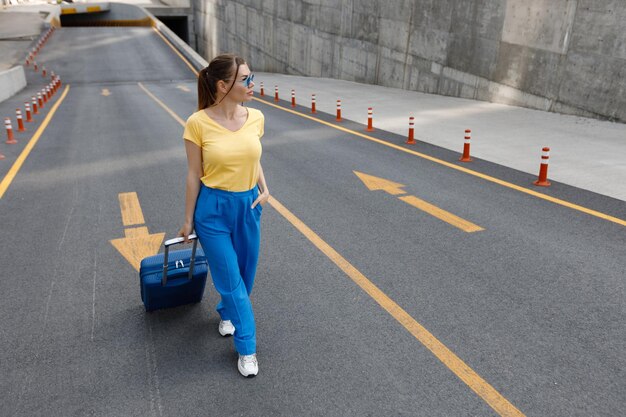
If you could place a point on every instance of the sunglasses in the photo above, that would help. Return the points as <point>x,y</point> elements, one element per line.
<point>246,81</point>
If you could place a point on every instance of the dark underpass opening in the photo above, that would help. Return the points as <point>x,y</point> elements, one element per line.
<point>178,24</point>
<point>100,19</point>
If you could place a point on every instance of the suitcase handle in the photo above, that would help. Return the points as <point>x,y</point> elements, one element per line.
<point>176,241</point>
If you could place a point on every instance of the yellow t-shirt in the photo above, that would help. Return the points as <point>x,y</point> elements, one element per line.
<point>230,160</point>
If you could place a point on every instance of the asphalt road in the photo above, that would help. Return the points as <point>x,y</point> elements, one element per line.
<point>535,304</point>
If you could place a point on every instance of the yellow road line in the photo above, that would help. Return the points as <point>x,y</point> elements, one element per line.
<point>176,51</point>
<point>492,397</point>
<point>485,391</point>
<point>8,178</point>
<point>131,209</point>
<point>441,214</point>
<point>167,109</point>
<point>459,168</point>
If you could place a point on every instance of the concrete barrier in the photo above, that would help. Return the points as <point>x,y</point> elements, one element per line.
<point>53,19</point>
<point>73,8</point>
<point>11,82</point>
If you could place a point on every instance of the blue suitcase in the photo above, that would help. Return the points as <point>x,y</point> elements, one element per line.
<point>173,278</point>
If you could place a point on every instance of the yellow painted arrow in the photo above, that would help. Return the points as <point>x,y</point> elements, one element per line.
<point>393,188</point>
<point>105,92</point>
<point>131,209</point>
<point>441,214</point>
<point>375,183</point>
<point>183,87</point>
<point>137,243</point>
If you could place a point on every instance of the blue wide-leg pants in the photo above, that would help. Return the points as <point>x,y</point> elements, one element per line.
<point>229,232</point>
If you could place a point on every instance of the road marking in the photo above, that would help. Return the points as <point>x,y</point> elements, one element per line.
<point>137,242</point>
<point>160,103</point>
<point>134,249</point>
<point>105,92</point>
<point>485,391</point>
<point>376,183</point>
<point>136,231</point>
<point>10,176</point>
<point>441,214</point>
<point>492,397</point>
<point>131,209</point>
<point>183,88</point>
<point>498,181</point>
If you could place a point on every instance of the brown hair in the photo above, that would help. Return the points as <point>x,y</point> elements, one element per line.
<point>220,68</point>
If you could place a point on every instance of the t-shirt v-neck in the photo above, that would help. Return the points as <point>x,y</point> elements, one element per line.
<point>224,127</point>
<point>230,158</point>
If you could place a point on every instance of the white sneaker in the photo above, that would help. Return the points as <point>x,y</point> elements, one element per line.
<point>248,365</point>
<point>226,328</point>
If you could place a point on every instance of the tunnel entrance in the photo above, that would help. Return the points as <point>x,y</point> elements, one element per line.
<point>100,19</point>
<point>179,20</point>
<point>178,25</point>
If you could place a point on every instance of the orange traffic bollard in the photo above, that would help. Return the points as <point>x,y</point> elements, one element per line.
<point>262,90</point>
<point>275,93</point>
<point>10,138</point>
<point>313,103</point>
<point>338,111</point>
<point>542,181</point>
<point>411,139</point>
<point>370,116</point>
<point>20,122</point>
<point>293,98</point>
<point>466,147</point>
<point>29,117</point>
<point>35,106</point>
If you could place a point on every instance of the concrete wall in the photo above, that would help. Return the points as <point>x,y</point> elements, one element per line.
<point>177,3</point>
<point>11,82</point>
<point>559,55</point>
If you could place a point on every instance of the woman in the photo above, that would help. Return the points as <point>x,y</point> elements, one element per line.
<point>225,193</point>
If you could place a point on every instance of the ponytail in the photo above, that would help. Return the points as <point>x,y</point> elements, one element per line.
<point>220,68</point>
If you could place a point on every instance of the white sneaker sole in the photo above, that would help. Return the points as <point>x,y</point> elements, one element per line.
<point>225,334</point>
<point>243,372</point>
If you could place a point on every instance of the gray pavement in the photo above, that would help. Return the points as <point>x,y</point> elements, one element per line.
<point>534,303</point>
